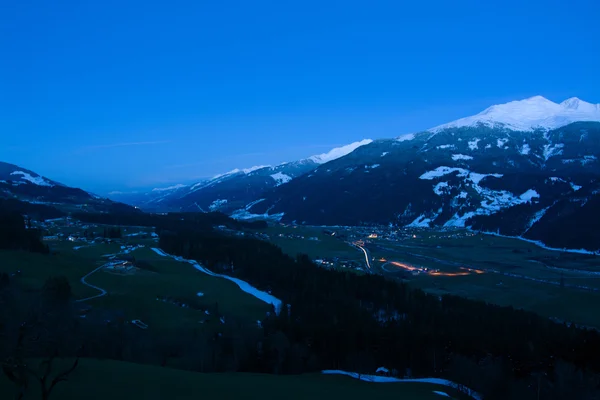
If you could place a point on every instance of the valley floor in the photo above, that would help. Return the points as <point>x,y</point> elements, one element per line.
<point>499,270</point>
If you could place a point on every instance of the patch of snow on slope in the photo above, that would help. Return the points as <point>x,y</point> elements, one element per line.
<point>338,152</point>
<point>457,157</point>
<point>243,285</point>
<point>476,177</point>
<point>444,394</point>
<point>215,205</point>
<point>159,252</point>
<point>252,204</point>
<point>530,114</point>
<point>281,178</point>
<point>471,176</point>
<point>440,188</point>
<point>244,215</point>
<point>36,180</point>
<point>552,150</point>
<point>446,146</point>
<point>385,153</point>
<point>388,379</point>
<point>501,142</point>
<point>529,195</point>
<point>463,195</point>
<point>421,222</point>
<point>441,171</point>
<point>473,144</point>
<point>495,200</point>
<point>574,186</point>
<point>525,149</point>
<point>536,217</point>
<point>374,166</point>
<point>458,221</point>
<point>174,187</point>
<point>406,137</point>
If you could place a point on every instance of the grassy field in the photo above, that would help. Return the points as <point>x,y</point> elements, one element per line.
<point>101,380</point>
<point>512,268</point>
<point>135,293</point>
<point>327,246</point>
<point>173,278</point>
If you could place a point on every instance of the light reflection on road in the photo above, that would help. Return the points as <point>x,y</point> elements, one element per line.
<point>434,272</point>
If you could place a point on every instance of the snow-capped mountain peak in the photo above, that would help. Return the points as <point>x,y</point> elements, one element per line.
<point>536,112</point>
<point>338,152</point>
<point>576,104</point>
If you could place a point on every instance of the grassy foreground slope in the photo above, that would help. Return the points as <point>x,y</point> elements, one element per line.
<point>135,293</point>
<point>114,380</point>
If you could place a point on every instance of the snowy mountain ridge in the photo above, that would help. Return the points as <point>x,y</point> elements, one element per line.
<point>530,114</point>
<point>170,188</point>
<point>331,155</point>
<point>339,152</point>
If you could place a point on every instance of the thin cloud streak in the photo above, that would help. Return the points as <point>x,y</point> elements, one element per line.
<point>107,146</point>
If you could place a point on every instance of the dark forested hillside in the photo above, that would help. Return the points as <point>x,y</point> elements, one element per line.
<point>346,321</point>
<point>15,235</point>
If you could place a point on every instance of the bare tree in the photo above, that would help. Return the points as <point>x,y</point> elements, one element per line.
<point>19,372</point>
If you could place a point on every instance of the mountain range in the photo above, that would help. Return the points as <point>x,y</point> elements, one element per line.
<point>526,168</point>
<point>235,189</point>
<point>29,192</point>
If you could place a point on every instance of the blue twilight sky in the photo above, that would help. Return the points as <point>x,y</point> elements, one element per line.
<point>110,95</point>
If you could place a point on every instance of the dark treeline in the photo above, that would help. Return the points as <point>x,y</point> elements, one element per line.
<point>170,221</point>
<point>37,211</point>
<point>14,234</point>
<point>341,320</point>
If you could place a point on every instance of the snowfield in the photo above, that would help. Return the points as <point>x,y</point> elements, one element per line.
<point>281,178</point>
<point>421,222</point>
<point>473,144</point>
<point>36,180</point>
<point>471,176</point>
<point>529,195</point>
<point>457,157</point>
<point>551,150</point>
<point>441,171</point>
<point>215,205</point>
<point>439,188</point>
<point>525,149</point>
